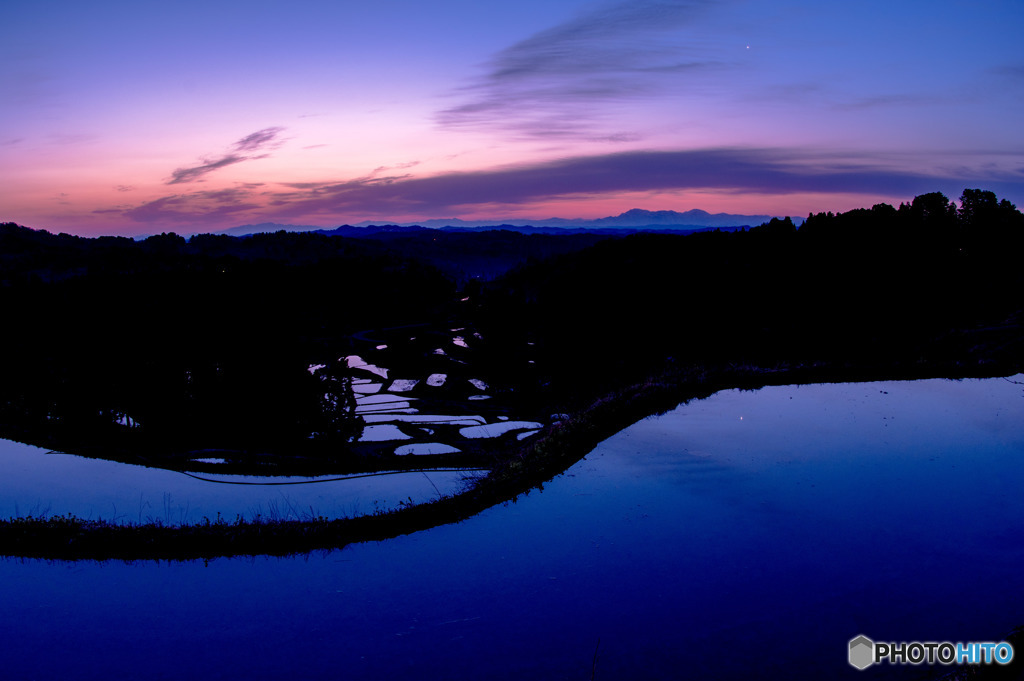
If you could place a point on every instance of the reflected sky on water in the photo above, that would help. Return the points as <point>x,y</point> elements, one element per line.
<point>749,535</point>
<point>37,482</point>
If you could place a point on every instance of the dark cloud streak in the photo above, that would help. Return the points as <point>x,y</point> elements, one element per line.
<point>191,174</point>
<point>724,170</point>
<point>732,169</point>
<point>258,140</point>
<point>261,139</point>
<point>549,83</point>
<point>204,207</point>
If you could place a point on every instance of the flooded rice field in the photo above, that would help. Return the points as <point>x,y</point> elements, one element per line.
<point>748,535</point>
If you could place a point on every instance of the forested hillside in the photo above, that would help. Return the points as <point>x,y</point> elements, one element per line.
<point>924,283</point>
<point>207,341</point>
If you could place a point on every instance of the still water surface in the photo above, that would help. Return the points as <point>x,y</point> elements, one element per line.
<point>40,483</point>
<point>749,535</point>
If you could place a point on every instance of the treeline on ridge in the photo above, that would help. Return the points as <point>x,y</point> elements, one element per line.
<point>206,341</point>
<point>925,283</point>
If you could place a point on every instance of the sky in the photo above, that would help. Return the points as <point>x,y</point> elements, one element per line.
<point>133,118</point>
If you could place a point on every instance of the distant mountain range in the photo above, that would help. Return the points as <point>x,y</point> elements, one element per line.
<point>631,220</point>
<point>265,227</point>
<point>636,218</point>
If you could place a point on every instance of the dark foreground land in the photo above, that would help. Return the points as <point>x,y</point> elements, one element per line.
<point>156,350</point>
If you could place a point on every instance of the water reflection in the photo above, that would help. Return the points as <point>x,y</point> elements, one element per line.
<point>694,545</point>
<point>37,482</point>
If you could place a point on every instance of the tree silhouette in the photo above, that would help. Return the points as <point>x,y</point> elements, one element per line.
<point>977,206</point>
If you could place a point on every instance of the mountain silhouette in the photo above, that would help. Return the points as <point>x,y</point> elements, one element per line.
<point>635,218</point>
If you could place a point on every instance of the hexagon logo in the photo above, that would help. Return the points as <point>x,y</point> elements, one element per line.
<point>862,652</point>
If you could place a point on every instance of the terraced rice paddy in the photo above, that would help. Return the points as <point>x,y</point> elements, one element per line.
<point>432,409</point>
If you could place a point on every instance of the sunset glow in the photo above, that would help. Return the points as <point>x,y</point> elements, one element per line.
<point>130,119</point>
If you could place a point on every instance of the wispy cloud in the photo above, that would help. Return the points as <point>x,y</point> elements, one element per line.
<point>548,85</point>
<point>749,170</point>
<point>734,170</point>
<point>268,138</point>
<point>194,208</point>
<point>400,166</point>
<point>181,175</point>
<point>890,100</point>
<point>259,139</point>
